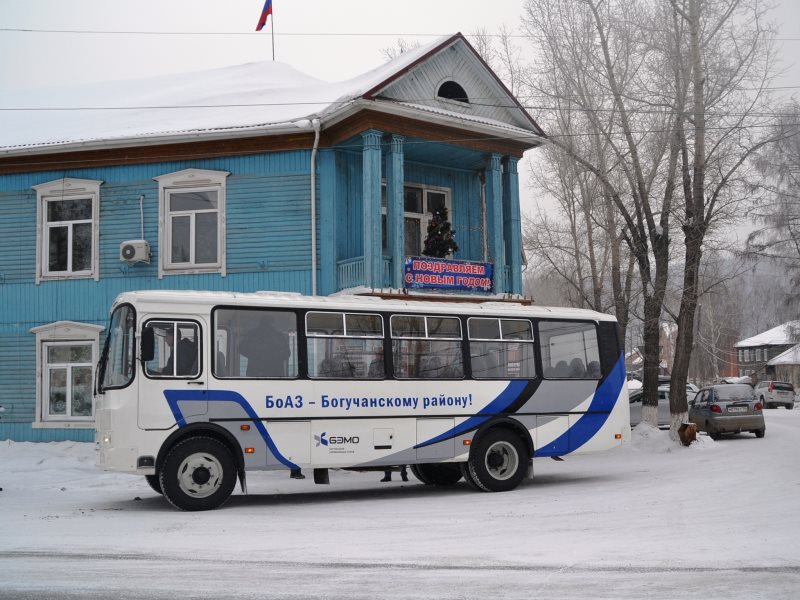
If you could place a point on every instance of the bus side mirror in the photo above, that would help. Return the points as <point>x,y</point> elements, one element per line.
<point>148,345</point>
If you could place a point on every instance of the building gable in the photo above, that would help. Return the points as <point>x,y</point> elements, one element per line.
<point>434,83</point>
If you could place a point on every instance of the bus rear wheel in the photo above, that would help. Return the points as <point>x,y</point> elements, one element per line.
<point>198,473</point>
<point>498,461</point>
<point>437,474</point>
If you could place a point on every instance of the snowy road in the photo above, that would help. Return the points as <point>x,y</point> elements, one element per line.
<point>717,520</point>
<point>164,577</point>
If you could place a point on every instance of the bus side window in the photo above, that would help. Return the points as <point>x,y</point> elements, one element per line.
<point>569,350</point>
<point>176,349</point>
<point>255,343</point>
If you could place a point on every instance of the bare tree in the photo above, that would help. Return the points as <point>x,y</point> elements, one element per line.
<point>723,63</point>
<point>599,65</point>
<point>778,238</point>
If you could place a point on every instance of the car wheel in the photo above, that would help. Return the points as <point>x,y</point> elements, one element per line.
<point>760,432</point>
<point>437,474</point>
<point>498,461</point>
<point>790,406</point>
<point>199,473</point>
<point>712,433</point>
<point>153,482</point>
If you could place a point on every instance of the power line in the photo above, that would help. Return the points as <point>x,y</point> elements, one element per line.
<point>283,34</point>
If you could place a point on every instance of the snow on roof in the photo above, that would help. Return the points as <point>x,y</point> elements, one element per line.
<point>782,334</point>
<point>790,357</point>
<point>260,97</point>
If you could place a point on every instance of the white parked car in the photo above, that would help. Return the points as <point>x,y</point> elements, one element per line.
<point>775,393</point>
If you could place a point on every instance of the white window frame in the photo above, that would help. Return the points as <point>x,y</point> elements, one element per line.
<point>747,355</point>
<point>66,188</point>
<point>61,333</point>
<point>758,354</point>
<point>190,180</point>
<point>425,217</point>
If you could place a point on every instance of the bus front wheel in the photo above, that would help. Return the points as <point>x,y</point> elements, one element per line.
<point>498,461</point>
<point>198,473</point>
<point>154,482</point>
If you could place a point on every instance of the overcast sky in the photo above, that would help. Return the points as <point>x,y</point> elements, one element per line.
<point>331,40</point>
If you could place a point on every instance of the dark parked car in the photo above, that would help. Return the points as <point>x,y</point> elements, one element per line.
<point>664,417</point>
<point>775,393</point>
<point>727,408</point>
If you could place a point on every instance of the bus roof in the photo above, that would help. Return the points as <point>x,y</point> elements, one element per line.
<point>187,301</point>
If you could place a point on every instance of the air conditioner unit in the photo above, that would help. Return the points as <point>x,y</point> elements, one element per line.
<point>134,251</point>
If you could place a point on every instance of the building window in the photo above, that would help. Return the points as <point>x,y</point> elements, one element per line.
<point>450,90</point>
<point>68,219</point>
<point>747,355</point>
<point>66,355</point>
<point>419,205</point>
<point>192,223</point>
<point>758,354</point>
<point>741,359</point>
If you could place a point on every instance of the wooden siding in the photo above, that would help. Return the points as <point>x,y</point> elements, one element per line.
<point>268,248</point>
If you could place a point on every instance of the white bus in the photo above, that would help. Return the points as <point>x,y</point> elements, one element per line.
<point>197,388</point>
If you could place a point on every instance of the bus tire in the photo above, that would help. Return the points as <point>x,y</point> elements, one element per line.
<point>437,473</point>
<point>154,483</point>
<point>468,478</point>
<point>498,461</point>
<point>199,473</point>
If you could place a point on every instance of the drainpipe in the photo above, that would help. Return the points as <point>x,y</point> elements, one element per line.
<point>315,124</point>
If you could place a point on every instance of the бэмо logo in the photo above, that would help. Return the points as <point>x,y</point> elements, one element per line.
<point>320,439</point>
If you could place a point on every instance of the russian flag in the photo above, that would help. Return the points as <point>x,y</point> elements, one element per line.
<point>266,12</point>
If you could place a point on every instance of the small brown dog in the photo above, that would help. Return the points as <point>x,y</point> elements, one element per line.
<point>687,433</point>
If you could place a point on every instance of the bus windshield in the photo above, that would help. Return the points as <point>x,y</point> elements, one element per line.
<point>117,361</point>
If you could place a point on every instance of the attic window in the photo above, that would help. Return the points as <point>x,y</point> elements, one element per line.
<point>453,91</point>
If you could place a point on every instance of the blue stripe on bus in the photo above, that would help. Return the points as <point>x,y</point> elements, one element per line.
<point>176,396</point>
<point>600,408</point>
<point>505,399</point>
<point>576,436</point>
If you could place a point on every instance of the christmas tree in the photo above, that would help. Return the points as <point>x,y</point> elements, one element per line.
<point>440,240</point>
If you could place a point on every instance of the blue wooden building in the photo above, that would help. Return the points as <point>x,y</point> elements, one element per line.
<point>254,177</point>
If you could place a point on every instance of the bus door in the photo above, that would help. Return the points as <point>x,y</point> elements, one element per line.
<point>173,386</point>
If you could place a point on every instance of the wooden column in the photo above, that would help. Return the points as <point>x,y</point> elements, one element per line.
<point>371,197</point>
<point>494,222</point>
<point>395,237</point>
<point>326,244</point>
<point>511,226</point>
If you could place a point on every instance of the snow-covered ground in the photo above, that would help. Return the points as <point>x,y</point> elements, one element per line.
<point>649,520</point>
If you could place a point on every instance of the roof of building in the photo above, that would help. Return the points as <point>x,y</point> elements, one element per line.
<point>790,357</point>
<point>259,98</point>
<point>782,334</point>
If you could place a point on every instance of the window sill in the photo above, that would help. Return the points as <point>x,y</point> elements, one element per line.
<point>66,276</point>
<point>63,425</point>
<point>192,270</point>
